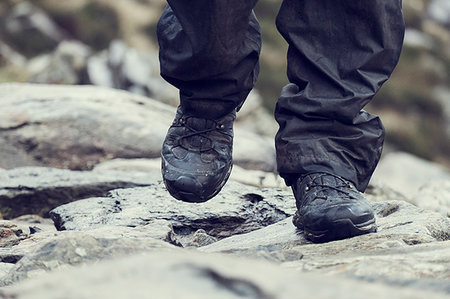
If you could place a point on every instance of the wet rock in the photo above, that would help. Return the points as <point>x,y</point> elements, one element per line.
<point>181,274</point>
<point>37,190</point>
<point>237,209</point>
<point>50,251</point>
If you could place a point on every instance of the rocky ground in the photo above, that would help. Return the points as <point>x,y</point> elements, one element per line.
<point>85,214</point>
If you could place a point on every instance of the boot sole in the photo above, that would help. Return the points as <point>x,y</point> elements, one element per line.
<point>193,197</point>
<point>337,230</point>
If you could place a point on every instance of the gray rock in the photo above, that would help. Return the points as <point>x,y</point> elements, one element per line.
<point>254,117</point>
<point>399,225</point>
<point>254,152</point>
<point>9,56</point>
<point>5,268</point>
<point>11,234</point>
<point>197,239</point>
<point>425,184</point>
<point>77,126</point>
<point>418,39</point>
<point>35,223</point>
<point>66,65</point>
<point>237,209</point>
<point>256,178</point>
<point>126,68</point>
<point>439,11</point>
<point>406,173</point>
<point>49,251</point>
<point>442,94</point>
<point>98,70</point>
<point>409,249</point>
<point>182,274</point>
<point>37,190</point>
<point>141,165</point>
<point>434,196</point>
<point>27,22</point>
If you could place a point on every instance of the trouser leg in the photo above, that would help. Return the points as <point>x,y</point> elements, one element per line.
<point>340,53</point>
<point>209,50</point>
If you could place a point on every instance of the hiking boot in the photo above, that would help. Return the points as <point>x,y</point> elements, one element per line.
<point>330,208</point>
<point>196,156</point>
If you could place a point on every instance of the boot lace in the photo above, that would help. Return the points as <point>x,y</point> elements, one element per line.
<point>344,187</point>
<point>192,132</point>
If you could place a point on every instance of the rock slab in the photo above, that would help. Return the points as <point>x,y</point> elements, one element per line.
<point>237,209</point>
<point>191,275</point>
<point>37,190</point>
<point>77,127</point>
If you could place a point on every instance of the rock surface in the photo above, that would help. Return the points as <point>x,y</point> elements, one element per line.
<point>237,209</point>
<point>78,126</point>
<point>434,196</point>
<point>192,275</point>
<point>25,23</point>
<point>407,257</point>
<point>406,173</point>
<point>37,190</point>
<point>405,249</point>
<point>424,183</point>
<point>49,251</point>
<point>255,178</point>
<point>409,249</point>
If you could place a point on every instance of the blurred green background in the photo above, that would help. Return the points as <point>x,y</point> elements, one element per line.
<point>414,104</point>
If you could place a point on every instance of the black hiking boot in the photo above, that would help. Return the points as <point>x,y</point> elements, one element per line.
<point>331,208</point>
<point>196,156</point>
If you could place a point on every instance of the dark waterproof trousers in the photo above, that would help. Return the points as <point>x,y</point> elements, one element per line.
<point>340,53</point>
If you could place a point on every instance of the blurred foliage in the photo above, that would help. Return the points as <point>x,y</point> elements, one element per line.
<point>272,75</point>
<point>29,41</point>
<point>95,24</point>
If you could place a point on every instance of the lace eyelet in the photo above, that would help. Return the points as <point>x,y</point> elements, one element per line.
<point>220,126</point>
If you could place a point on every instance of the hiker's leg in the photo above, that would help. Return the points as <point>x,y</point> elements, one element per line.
<point>340,53</point>
<point>209,50</point>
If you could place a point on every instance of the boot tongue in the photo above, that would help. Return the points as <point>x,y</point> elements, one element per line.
<point>199,124</point>
<point>198,141</point>
<point>327,180</point>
